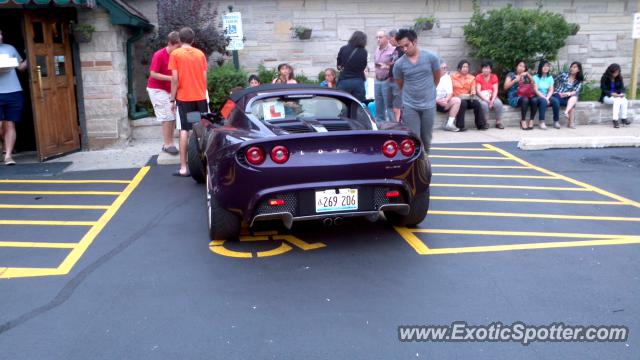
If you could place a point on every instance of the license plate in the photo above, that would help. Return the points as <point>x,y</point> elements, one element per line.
<point>336,200</point>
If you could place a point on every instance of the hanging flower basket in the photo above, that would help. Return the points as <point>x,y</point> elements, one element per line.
<point>82,33</point>
<point>301,32</point>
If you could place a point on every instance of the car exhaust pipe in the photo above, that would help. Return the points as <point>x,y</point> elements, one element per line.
<point>327,222</point>
<point>337,221</point>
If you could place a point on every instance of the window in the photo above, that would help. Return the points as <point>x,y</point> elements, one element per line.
<point>299,107</point>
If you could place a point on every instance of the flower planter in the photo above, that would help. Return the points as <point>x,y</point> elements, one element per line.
<point>304,35</point>
<point>82,36</point>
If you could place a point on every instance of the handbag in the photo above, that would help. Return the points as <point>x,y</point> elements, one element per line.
<point>526,90</point>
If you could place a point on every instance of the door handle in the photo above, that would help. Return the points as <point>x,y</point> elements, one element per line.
<point>39,70</point>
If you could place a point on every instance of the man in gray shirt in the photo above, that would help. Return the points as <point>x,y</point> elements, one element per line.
<point>417,74</point>
<point>11,100</point>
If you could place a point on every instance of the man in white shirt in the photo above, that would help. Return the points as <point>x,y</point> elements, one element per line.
<point>445,101</point>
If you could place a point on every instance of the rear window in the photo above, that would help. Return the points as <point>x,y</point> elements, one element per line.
<point>299,107</point>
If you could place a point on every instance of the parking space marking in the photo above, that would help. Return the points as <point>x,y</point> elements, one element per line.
<point>542,177</point>
<point>460,149</point>
<point>532,200</point>
<point>46,192</point>
<point>54,207</point>
<point>217,246</point>
<point>469,157</point>
<point>534,215</point>
<point>47,223</point>
<point>568,239</point>
<point>491,186</point>
<point>76,249</point>
<point>20,181</point>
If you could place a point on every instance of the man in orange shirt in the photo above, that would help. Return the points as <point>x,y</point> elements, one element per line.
<point>188,67</point>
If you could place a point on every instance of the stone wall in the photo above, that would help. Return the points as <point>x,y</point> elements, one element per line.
<point>604,37</point>
<point>104,80</point>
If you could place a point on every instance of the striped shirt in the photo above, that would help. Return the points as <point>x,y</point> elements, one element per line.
<point>562,84</point>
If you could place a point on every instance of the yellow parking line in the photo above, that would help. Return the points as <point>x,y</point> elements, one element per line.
<point>565,178</point>
<point>497,176</point>
<point>553,201</point>
<point>533,215</point>
<point>75,254</point>
<point>25,244</point>
<point>532,246</point>
<point>460,149</point>
<point>491,186</point>
<point>54,207</point>
<point>479,166</point>
<point>47,223</point>
<point>43,192</point>
<point>18,181</point>
<point>523,233</point>
<point>469,157</point>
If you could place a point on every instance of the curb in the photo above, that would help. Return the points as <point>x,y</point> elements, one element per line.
<point>586,142</point>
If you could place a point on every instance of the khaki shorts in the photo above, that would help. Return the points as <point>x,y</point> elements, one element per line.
<point>161,104</point>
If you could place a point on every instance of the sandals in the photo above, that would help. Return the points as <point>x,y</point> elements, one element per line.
<point>179,174</point>
<point>170,150</point>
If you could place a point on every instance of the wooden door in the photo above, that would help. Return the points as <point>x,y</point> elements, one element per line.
<point>53,95</point>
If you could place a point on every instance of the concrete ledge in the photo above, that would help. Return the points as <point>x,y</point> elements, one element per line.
<point>168,159</point>
<point>578,142</point>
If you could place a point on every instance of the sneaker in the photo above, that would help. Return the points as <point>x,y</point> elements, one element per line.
<point>499,125</point>
<point>543,126</point>
<point>9,161</point>
<point>625,122</point>
<point>616,124</point>
<point>556,124</point>
<point>451,128</point>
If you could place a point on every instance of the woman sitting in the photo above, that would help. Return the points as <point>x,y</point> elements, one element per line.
<point>445,101</point>
<point>543,84</point>
<point>487,90</point>
<point>285,75</point>
<point>519,85</point>
<point>330,76</point>
<point>464,87</point>
<point>613,94</point>
<point>566,90</point>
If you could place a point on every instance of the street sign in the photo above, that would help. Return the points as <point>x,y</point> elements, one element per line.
<point>636,26</point>
<point>232,24</point>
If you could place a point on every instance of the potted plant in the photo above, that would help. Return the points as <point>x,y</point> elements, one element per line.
<point>82,32</point>
<point>425,23</point>
<point>574,28</point>
<point>301,32</point>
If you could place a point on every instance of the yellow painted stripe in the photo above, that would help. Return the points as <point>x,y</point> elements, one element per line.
<point>47,223</point>
<point>300,243</point>
<point>524,233</point>
<point>533,215</point>
<point>417,244</point>
<point>17,181</point>
<point>468,157</point>
<point>553,201</point>
<point>221,250</point>
<point>283,248</point>
<point>568,179</point>
<point>479,166</point>
<point>532,246</point>
<point>44,192</point>
<point>54,207</point>
<point>459,149</point>
<point>7,273</point>
<point>491,186</point>
<point>88,238</point>
<point>543,177</point>
<point>45,245</point>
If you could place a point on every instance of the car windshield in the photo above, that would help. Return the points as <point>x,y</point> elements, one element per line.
<point>299,107</point>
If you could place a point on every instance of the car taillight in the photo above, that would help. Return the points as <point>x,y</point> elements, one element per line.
<point>407,147</point>
<point>276,202</point>
<point>393,193</point>
<point>255,155</point>
<point>279,154</point>
<point>390,148</point>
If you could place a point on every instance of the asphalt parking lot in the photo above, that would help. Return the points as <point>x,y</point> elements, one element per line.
<point>116,264</point>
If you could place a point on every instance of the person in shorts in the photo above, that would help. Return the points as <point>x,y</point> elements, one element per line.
<point>188,67</point>
<point>11,100</point>
<point>159,89</point>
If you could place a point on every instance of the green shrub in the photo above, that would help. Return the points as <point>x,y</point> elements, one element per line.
<point>303,79</point>
<point>265,75</point>
<point>221,80</point>
<point>590,91</point>
<point>507,35</point>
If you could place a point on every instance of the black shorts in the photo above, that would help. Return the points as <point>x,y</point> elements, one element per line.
<point>11,106</point>
<point>185,107</point>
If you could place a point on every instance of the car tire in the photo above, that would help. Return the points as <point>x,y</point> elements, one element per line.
<point>417,212</point>
<point>195,161</point>
<point>223,224</point>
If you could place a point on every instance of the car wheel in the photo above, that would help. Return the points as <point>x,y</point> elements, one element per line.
<point>223,225</point>
<point>196,164</point>
<point>417,212</point>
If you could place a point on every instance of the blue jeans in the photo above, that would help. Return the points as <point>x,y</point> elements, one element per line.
<point>354,87</point>
<point>556,102</point>
<point>383,97</point>
<point>541,103</point>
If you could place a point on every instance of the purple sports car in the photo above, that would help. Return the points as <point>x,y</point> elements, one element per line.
<point>300,152</point>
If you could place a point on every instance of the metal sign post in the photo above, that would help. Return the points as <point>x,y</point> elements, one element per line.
<point>232,24</point>
<point>636,52</point>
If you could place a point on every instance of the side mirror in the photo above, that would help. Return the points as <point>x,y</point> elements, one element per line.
<point>195,117</point>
